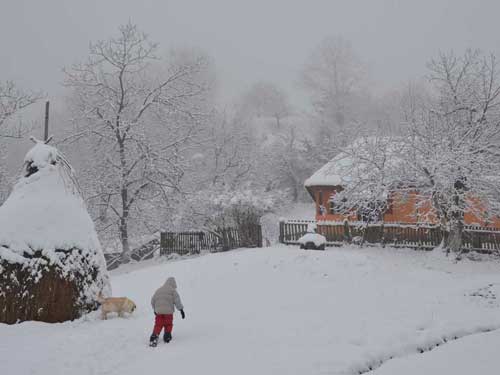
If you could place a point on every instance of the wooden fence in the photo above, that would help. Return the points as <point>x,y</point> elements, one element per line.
<point>480,239</point>
<point>415,236</point>
<point>221,240</point>
<point>113,260</point>
<point>146,251</point>
<point>192,243</point>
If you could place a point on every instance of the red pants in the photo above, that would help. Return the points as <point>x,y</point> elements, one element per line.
<point>163,321</point>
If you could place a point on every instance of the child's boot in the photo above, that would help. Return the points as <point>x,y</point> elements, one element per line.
<point>153,340</point>
<point>167,337</point>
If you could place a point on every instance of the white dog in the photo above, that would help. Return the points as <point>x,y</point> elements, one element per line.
<point>118,305</point>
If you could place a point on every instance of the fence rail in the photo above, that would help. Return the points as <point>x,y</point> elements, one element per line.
<point>417,236</point>
<point>221,240</point>
<point>146,251</point>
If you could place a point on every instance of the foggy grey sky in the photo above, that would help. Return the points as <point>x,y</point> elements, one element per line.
<point>249,40</point>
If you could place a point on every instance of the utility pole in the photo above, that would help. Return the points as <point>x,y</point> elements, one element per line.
<point>46,131</point>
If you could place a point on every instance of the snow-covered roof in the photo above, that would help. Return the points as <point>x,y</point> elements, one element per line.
<point>45,211</point>
<point>331,173</point>
<point>339,170</point>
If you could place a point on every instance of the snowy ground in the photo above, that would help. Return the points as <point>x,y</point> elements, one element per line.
<point>280,310</point>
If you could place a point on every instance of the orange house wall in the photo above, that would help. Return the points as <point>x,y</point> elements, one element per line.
<point>477,215</point>
<point>405,208</point>
<point>409,207</point>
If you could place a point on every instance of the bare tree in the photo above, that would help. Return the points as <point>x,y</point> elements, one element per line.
<point>227,152</point>
<point>335,78</point>
<point>456,137</point>
<point>137,114</point>
<point>222,161</point>
<point>287,162</point>
<point>12,100</point>
<point>265,99</point>
<point>369,170</point>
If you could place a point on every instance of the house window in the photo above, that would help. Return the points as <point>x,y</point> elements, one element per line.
<point>331,207</point>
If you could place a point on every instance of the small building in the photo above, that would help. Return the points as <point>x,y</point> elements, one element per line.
<point>403,206</point>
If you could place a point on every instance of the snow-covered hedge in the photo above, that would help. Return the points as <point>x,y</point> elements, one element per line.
<point>215,208</point>
<point>51,264</point>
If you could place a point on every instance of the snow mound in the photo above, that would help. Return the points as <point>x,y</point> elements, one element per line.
<point>41,155</point>
<point>46,229</point>
<point>316,238</point>
<point>45,211</point>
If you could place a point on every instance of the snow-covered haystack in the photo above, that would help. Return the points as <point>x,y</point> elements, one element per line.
<point>51,264</point>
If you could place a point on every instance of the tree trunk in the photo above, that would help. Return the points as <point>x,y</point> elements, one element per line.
<point>455,237</point>
<point>124,240</point>
<point>457,220</point>
<point>295,195</point>
<point>125,204</point>
<point>124,226</point>
<point>365,233</point>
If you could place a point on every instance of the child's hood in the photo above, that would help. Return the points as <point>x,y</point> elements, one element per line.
<point>171,282</point>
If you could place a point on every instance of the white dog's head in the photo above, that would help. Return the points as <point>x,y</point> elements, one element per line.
<point>129,306</point>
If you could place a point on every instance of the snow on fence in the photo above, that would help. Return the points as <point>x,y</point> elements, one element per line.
<point>146,251</point>
<point>481,239</point>
<point>192,242</point>
<point>222,240</point>
<point>417,236</point>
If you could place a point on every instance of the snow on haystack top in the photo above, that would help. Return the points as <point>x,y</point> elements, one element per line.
<point>41,155</point>
<point>45,211</point>
<point>347,163</point>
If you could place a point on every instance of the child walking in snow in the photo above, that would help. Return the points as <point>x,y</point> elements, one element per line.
<point>164,302</point>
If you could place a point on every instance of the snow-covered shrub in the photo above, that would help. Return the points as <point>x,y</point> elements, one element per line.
<point>241,208</point>
<point>213,209</point>
<point>51,263</point>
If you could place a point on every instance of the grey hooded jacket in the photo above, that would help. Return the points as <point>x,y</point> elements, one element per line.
<point>165,298</point>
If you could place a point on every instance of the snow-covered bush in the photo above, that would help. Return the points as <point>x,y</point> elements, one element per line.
<point>51,263</point>
<point>215,208</point>
<point>240,209</point>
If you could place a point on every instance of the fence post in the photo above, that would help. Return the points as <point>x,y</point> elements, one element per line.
<point>259,235</point>
<point>162,243</point>
<point>382,234</point>
<point>476,240</point>
<point>419,235</point>
<point>225,239</point>
<point>347,232</point>
<point>282,231</point>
